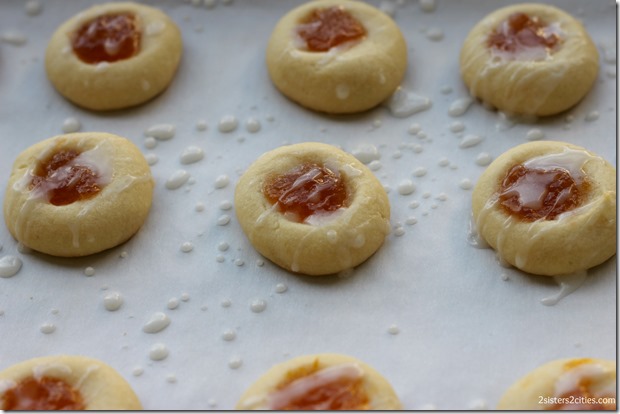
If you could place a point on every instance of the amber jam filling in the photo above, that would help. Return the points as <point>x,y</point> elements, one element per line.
<point>63,180</point>
<point>338,393</point>
<point>107,38</point>
<point>42,394</point>
<point>307,189</point>
<point>521,31</point>
<point>330,27</point>
<point>540,193</point>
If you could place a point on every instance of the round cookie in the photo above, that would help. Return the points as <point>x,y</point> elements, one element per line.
<point>364,66</point>
<point>78,194</point>
<point>529,59</point>
<point>113,55</point>
<point>347,226</point>
<point>548,208</point>
<point>65,382</point>
<point>302,383</point>
<point>565,384</point>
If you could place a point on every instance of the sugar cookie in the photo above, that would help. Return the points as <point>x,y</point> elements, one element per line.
<point>529,59</point>
<point>321,382</point>
<point>312,208</point>
<point>78,194</point>
<point>65,382</point>
<point>565,384</point>
<point>336,56</point>
<point>114,55</point>
<point>548,208</point>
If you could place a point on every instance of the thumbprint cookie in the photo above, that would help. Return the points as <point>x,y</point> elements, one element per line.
<point>312,208</point>
<point>529,59</point>
<point>78,194</point>
<point>567,384</point>
<point>114,55</point>
<point>65,382</point>
<point>321,382</point>
<point>336,56</point>
<point>548,208</point>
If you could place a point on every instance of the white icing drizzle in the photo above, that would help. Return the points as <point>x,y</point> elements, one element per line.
<point>302,386</point>
<point>600,379</point>
<point>568,284</point>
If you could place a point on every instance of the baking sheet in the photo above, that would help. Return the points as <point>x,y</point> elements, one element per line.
<point>445,323</point>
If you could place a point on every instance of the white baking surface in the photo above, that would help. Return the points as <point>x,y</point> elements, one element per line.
<point>465,333</point>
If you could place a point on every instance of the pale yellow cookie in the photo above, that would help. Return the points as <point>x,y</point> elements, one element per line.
<point>302,383</point>
<point>114,73</point>
<point>354,75</point>
<point>529,59</point>
<point>548,208</point>
<point>65,382</point>
<point>328,240</point>
<point>78,194</point>
<point>565,384</point>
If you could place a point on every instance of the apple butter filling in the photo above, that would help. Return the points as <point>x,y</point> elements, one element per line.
<point>326,28</point>
<point>307,189</point>
<point>42,394</point>
<point>107,38</point>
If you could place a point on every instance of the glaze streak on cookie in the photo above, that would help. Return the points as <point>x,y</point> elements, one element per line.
<point>330,27</point>
<point>42,394</point>
<point>536,193</point>
<point>107,38</point>
<point>339,387</point>
<point>306,190</point>
<point>63,180</point>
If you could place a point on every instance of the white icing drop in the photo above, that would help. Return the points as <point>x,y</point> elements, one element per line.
<point>223,220</point>
<point>393,329</point>
<point>405,103</point>
<point>406,187</point>
<point>535,135</point>
<point>366,153</point>
<point>222,181</point>
<point>460,106</point>
<point>258,305</point>
<point>228,123</point>
<point>47,328</point>
<point>157,323</point>
<point>71,125</point>
<point>177,179</point>
<point>483,159</point>
<point>187,247</point>
<point>470,141</point>
<point>158,352</point>
<point>161,132</point>
<point>235,362</point>
<point>9,266</point>
<point>13,38</point>
<point>89,271</point>
<point>192,154</point>
<point>33,7</point>
<point>173,303</point>
<point>113,301</point>
<point>281,288</point>
<point>457,126</point>
<point>427,6</point>
<point>229,335</point>
<point>252,125</point>
<point>435,34</point>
